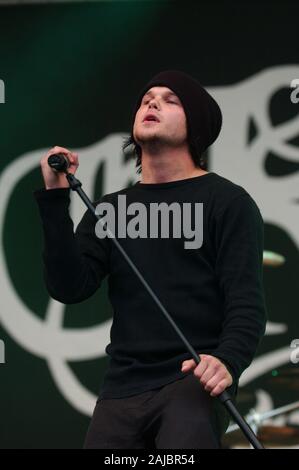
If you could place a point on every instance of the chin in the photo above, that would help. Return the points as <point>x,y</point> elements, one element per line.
<point>146,135</point>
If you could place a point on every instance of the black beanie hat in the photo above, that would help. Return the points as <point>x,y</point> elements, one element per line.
<point>203,115</point>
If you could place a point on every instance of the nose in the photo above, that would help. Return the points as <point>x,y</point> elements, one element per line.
<point>152,102</point>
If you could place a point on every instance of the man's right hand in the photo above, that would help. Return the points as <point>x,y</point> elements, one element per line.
<point>53,179</point>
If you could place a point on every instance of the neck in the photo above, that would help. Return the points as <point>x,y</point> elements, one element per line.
<point>168,166</point>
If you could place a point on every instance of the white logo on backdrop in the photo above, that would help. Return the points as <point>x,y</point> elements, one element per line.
<point>231,157</point>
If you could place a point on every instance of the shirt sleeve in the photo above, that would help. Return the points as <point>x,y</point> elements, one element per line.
<point>75,263</point>
<point>239,237</point>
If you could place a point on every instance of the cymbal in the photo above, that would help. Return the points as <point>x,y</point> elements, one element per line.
<point>272,259</point>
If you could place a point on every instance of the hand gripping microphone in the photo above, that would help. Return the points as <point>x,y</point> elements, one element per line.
<point>59,162</point>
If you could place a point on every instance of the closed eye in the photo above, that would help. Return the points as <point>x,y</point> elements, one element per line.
<point>169,101</point>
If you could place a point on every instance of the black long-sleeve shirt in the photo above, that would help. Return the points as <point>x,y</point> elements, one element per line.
<point>214,293</point>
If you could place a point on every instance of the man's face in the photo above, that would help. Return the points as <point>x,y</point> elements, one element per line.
<point>171,129</point>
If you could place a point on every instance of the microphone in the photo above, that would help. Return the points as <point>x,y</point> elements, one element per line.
<point>58,162</point>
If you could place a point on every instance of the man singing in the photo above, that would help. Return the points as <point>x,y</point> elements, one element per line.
<point>153,395</point>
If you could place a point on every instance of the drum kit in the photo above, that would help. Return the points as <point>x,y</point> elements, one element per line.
<point>271,436</point>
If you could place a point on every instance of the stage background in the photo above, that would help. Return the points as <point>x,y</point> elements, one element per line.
<point>71,74</point>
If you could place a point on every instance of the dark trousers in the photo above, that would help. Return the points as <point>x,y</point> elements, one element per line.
<point>178,415</point>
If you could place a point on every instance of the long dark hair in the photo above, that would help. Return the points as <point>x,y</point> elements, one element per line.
<point>198,158</point>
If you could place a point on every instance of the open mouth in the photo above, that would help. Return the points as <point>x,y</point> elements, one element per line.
<point>151,118</point>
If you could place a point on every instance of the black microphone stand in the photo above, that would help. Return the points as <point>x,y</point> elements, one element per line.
<point>59,162</point>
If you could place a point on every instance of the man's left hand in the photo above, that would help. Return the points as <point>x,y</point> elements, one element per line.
<point>211,373</point>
